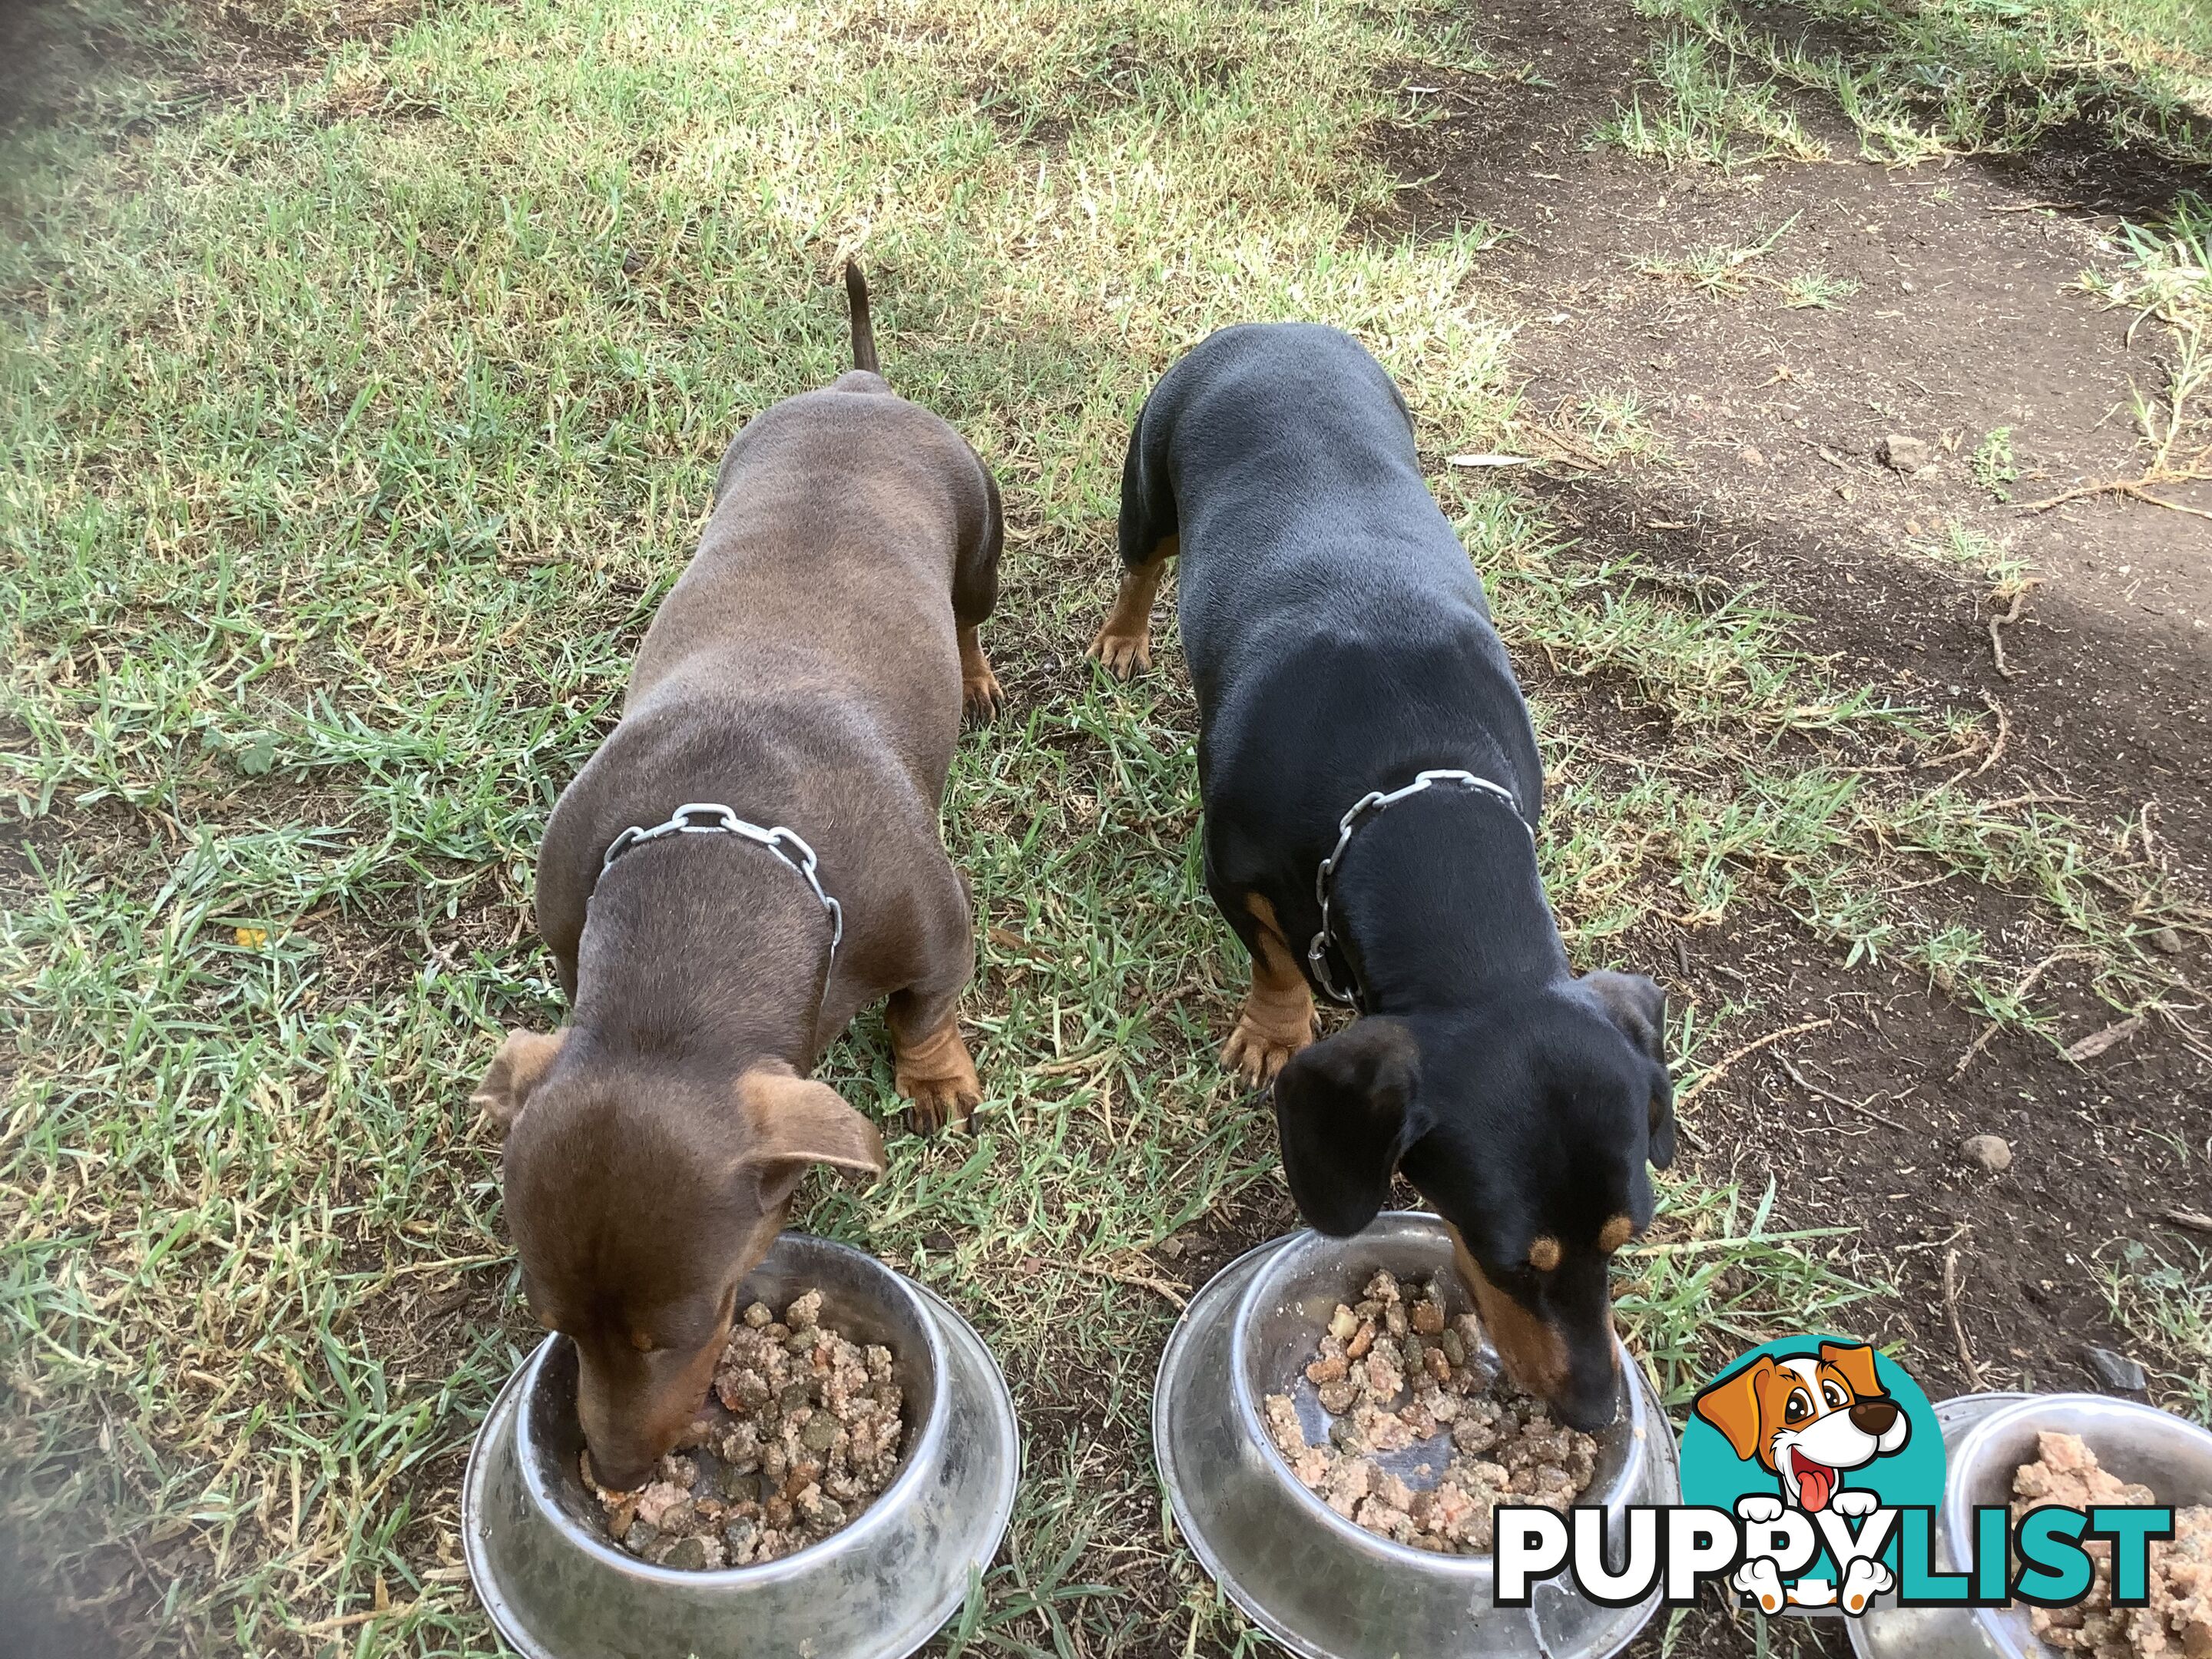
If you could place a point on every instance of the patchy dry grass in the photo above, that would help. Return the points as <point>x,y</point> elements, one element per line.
<point>352,431</point>
<point>1946,76</point>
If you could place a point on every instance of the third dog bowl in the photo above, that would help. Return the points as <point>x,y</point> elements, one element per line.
<point>1986,1438</point>
<point>1316,1582</point>
<point>559,1588</point>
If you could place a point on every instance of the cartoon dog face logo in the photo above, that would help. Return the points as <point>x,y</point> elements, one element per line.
<point>1807,1421</point>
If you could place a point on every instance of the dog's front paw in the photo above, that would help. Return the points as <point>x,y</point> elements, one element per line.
<point>1256,1053</point>
<point>1759,1507</point>
<point>939,1102</point>
<point>936,1074</point>
<point>1121,655</point>
<point>1863,1581</point>
<point>1855,1504</point>
<point>1761,1580</point>
<point>982,697</point>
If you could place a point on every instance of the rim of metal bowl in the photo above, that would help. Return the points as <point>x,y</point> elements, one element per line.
<point>2025,1408</point>
<point>1254,1422</point>
<point>1999,1625</point>
<point>873,1519</point>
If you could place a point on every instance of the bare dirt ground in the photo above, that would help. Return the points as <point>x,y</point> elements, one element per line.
<point>1966,319</point>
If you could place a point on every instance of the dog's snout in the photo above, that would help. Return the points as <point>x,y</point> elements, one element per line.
<point>1588,1411</point>
<point>1873,1416</point>
<point>1591,1399</point>
<point>620,1471</point>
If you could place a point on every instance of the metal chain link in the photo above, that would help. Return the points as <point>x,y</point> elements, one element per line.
<point>1374,800</point>
<point>711,818</point>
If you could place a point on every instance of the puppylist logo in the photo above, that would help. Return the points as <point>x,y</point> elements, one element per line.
<point>1812,1475</point>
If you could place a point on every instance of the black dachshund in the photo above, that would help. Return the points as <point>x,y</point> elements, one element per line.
<point>1371,789</point>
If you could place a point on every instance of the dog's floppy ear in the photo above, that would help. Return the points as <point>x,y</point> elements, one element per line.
<point>796,1122</point>
<point>1639,1006</point>
<point>1731,1406</point>
<point>1855,1361</point>
<point>1347,1110</point>
<point>519,1065</point>
<point>1662,1118</point>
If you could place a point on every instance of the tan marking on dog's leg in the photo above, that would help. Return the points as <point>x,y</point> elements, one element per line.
<point>933,1071</point>
<point>1278,1017</point>
<point>1123,643</point>
<point>981,695</point>
<point>1536,1355</point>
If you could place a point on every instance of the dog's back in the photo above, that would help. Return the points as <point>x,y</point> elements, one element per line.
<point>810,657</point>
<point>1313,563</point>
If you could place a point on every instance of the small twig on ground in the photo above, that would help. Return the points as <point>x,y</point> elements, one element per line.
<point>2005,732</point>
<point>2097,1041</point>
<point>1858,1106</point>
<point>1143,1281</point>
<point>1089,1062</point>
<point>1997,623</point>
<point>2196,1220</point>
<point>2186,380</point>
<point>345,1621</point>
<point>2142,494</point>
<point>2026,984</point>
<point>1958,1325</point>
<point>2135,487</point>
<point>1714,1076</point>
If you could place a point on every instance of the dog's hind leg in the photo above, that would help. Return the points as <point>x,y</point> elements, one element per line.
<point>1277,1020</point>
<point>1149,537</point>
<point>1123,643</point>
<point>974,591</point>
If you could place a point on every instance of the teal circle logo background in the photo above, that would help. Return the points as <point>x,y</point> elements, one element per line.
<point>1712,1474</point>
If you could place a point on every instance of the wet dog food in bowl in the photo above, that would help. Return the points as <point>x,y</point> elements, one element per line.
<point>1316,1581</point>
<point>2178,1620</point>
<point>802,1431</point>
<point>878,1587</point>
<point>1423,1439</point>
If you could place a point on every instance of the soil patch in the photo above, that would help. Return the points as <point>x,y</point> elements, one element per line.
<point>1956,314</point>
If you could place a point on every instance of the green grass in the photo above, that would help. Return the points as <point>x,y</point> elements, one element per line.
<point>1817,290</point>
<point>349,433</point>
<point>1943,76</point>
<point>1704,107</point>
<point>1993,464</point>
<point>1966,549</point>
<point>2162,1297</point>
<point>1718,272</point>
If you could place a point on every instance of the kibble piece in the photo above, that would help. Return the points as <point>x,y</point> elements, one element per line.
<point>1394,1370</point>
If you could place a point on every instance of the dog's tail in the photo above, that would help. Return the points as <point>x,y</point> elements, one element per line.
<point>864,331</point>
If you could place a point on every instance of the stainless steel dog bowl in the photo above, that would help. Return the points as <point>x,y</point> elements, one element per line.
<point>1317,1583</point>
<point>558,1588</point>
<point>1986,1438</point>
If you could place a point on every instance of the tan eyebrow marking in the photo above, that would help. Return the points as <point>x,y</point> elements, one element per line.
<point>1615,1233</point>
<point>1544,1253</point>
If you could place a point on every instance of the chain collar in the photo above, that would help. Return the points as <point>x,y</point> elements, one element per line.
<point>709,819</point>
<point>1373,801</point>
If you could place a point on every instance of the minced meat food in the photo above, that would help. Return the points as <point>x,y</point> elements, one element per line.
<point>802,1431</point>
<point>2178,1621</point>
<point>1394,1372</point>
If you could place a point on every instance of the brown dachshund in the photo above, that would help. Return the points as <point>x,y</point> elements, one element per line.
<point>800,691</point>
